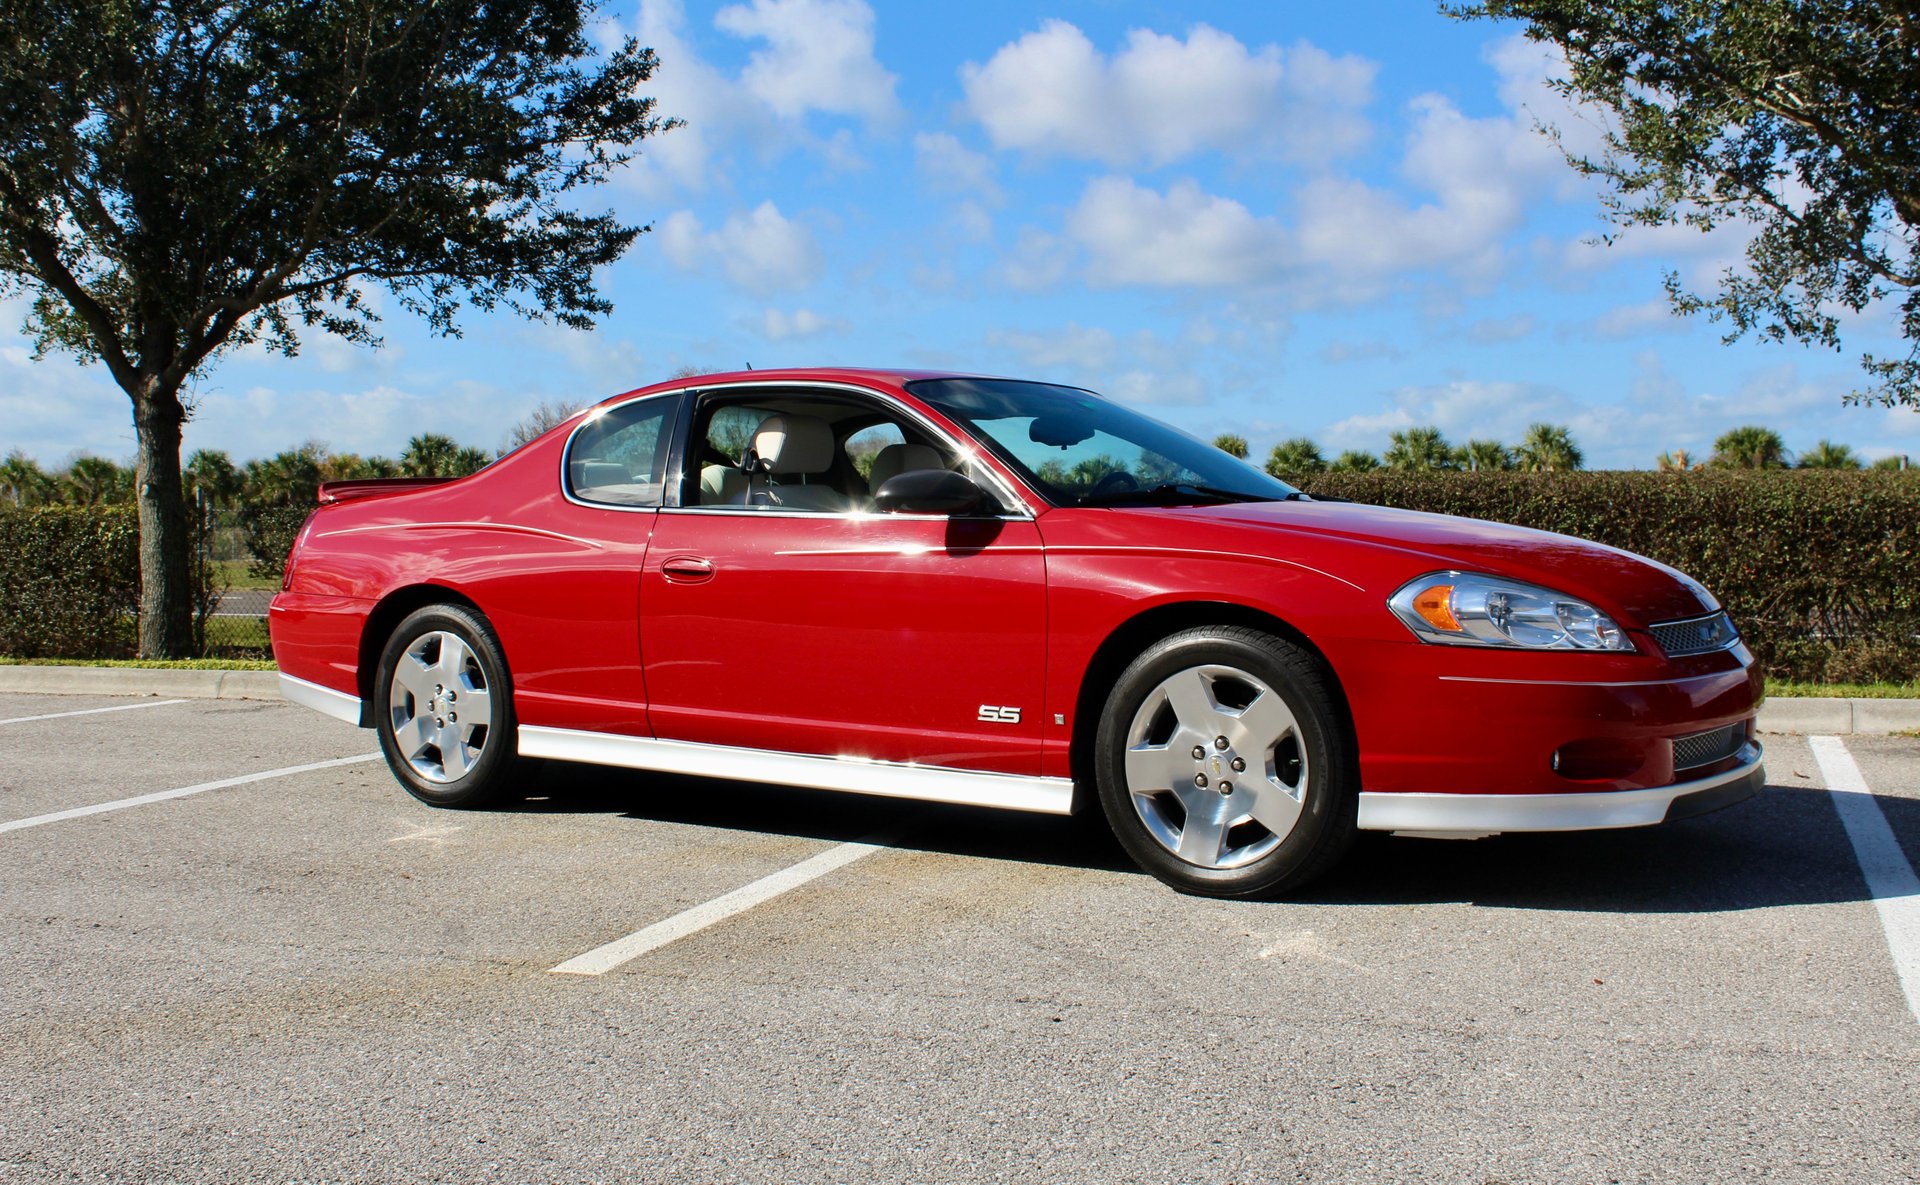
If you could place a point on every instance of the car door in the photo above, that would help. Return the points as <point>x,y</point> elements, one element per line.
<point>815,625</point>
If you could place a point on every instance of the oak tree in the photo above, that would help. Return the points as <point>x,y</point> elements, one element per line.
<point>181,177</point>
<point>1797,117</point>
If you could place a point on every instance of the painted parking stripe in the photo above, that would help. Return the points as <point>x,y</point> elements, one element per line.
<point>121,804</point>
<point>1890,878</point>
<point>603,959</point>
<point>159,703</point>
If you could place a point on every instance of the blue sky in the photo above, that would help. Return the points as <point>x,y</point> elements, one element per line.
<point>1284,219</point>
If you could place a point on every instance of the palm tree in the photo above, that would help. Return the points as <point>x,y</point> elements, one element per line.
<point>429,455</point>
<point>289,478</point>
<point>1897,461</point>
<point>1420,449</point>
<point>1828,455</point>
<point>1295,456</point>
<point>467,460</point>
<point>1231,443</point>
<point>1677,461</point>
<point>96,481</point>
<point>211,474</point>
<point>23,482</point>
<point>1484,456</point>
<point>1354,461</point>
<point>1750,447</point>
<point>1548,448</point>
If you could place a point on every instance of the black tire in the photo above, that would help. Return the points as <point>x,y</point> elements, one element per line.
<point>483,767</point>
<point>1314,749</point>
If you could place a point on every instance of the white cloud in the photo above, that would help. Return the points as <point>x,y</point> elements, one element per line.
<point>761,250</point>
<point>819,57</point>
<point>1160,98</point>
<point>1135,235</point>
<point>1039,260</point>
<point>777,325</point>
<point>1181,389</point>
<point>1493,330</point>
<point>951,167</point>
<point>1073,347</point>
<point>1636,320</point>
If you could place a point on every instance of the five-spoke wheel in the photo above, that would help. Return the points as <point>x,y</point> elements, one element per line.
<point>1224,765</point>
<point>443,707</point>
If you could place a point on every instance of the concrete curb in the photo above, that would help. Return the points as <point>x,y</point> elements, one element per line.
<point>140,681</point>
<point>1839,717</point>
<point>1804,715</point>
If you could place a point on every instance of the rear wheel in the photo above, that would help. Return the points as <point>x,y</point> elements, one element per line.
<point>1224,765</point>
<point>444,708</point>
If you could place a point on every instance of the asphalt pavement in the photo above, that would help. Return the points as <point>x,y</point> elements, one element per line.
<point>309,977</point>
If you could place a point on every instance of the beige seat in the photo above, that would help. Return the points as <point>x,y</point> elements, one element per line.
<point>722,485</point>
<point>796,451</point>
<point>895,459</point>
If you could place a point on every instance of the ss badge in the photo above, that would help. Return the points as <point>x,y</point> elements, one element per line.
<point>999,715</point>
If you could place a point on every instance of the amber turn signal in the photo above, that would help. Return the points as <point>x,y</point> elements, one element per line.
<point>1434,605</point>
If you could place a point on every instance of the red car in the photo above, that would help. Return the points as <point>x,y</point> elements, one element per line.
<point>1009,594</point>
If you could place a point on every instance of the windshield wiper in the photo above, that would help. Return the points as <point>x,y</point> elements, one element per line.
<point>1170,493</point>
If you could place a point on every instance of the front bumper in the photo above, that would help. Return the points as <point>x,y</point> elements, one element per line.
<point>1482,814</point>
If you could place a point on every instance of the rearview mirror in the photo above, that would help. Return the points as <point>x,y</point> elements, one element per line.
<point>1058,431</point>
<point>930,491</point>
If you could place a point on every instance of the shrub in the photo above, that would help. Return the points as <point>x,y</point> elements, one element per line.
<point>270,532</point>
<point>1818,568</point>
<point>69,581</point>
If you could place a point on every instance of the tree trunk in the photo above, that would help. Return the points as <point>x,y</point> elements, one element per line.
<point>166,543</point>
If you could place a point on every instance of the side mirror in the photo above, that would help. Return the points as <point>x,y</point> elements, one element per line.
<point>930,491</point>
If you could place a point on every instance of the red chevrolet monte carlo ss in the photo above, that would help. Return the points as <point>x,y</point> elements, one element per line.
<point>1009,594</point>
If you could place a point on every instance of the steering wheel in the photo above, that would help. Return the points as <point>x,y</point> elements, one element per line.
<point>1113,479</point>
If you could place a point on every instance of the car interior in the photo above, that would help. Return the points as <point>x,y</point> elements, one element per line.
<point>805,454</point>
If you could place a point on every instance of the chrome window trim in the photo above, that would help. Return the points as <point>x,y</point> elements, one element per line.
<point>886,779</point>
<point>595,413</point>
<point>1020,510</point>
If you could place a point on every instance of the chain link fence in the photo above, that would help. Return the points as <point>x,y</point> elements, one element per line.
<point>244,552</point>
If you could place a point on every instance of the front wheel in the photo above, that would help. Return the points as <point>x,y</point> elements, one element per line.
<point>444,708</point>
<point>1224,764</point>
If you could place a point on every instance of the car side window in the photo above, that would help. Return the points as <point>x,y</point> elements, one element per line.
<point>803,453</point>
<point>619,458</point>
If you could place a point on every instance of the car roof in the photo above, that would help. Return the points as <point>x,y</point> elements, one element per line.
<point>885,377</point>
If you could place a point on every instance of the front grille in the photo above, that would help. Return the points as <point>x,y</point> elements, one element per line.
<point>1705,748</point>
<point>1695,635</point>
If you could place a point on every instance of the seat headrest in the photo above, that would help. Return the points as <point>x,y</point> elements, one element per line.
<point>794,444</point>
<point>895,459</point>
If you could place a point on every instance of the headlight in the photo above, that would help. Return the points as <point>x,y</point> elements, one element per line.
<point>1469,609</point>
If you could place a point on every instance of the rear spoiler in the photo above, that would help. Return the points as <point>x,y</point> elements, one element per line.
<point>375,487</point>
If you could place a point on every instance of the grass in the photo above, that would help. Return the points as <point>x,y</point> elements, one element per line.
<point>233,574</point>
<point>148,664</point>
<point>1786,689</point>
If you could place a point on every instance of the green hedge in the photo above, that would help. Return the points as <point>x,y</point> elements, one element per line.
<point>1821,570</point>
<point>270,532</point>
<point>69,582</point>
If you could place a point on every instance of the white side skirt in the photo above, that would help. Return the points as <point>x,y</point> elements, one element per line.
<point>1488,813</point>
<point>337,704</point>
<point>1052,796</point>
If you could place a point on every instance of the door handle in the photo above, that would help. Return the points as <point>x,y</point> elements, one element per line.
<point>686,569</point>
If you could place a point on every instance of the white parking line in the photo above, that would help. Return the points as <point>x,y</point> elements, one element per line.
<point>159,703</point>
<point>603,959</point>
<point>1890,878</point>
<point>121,804</point>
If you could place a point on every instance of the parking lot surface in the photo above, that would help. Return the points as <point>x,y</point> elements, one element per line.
<point>309,976</point>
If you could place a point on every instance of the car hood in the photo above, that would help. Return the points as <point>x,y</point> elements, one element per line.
<point>1619,581</point>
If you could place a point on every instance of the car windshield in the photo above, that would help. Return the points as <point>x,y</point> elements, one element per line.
<point>1081,450</point>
